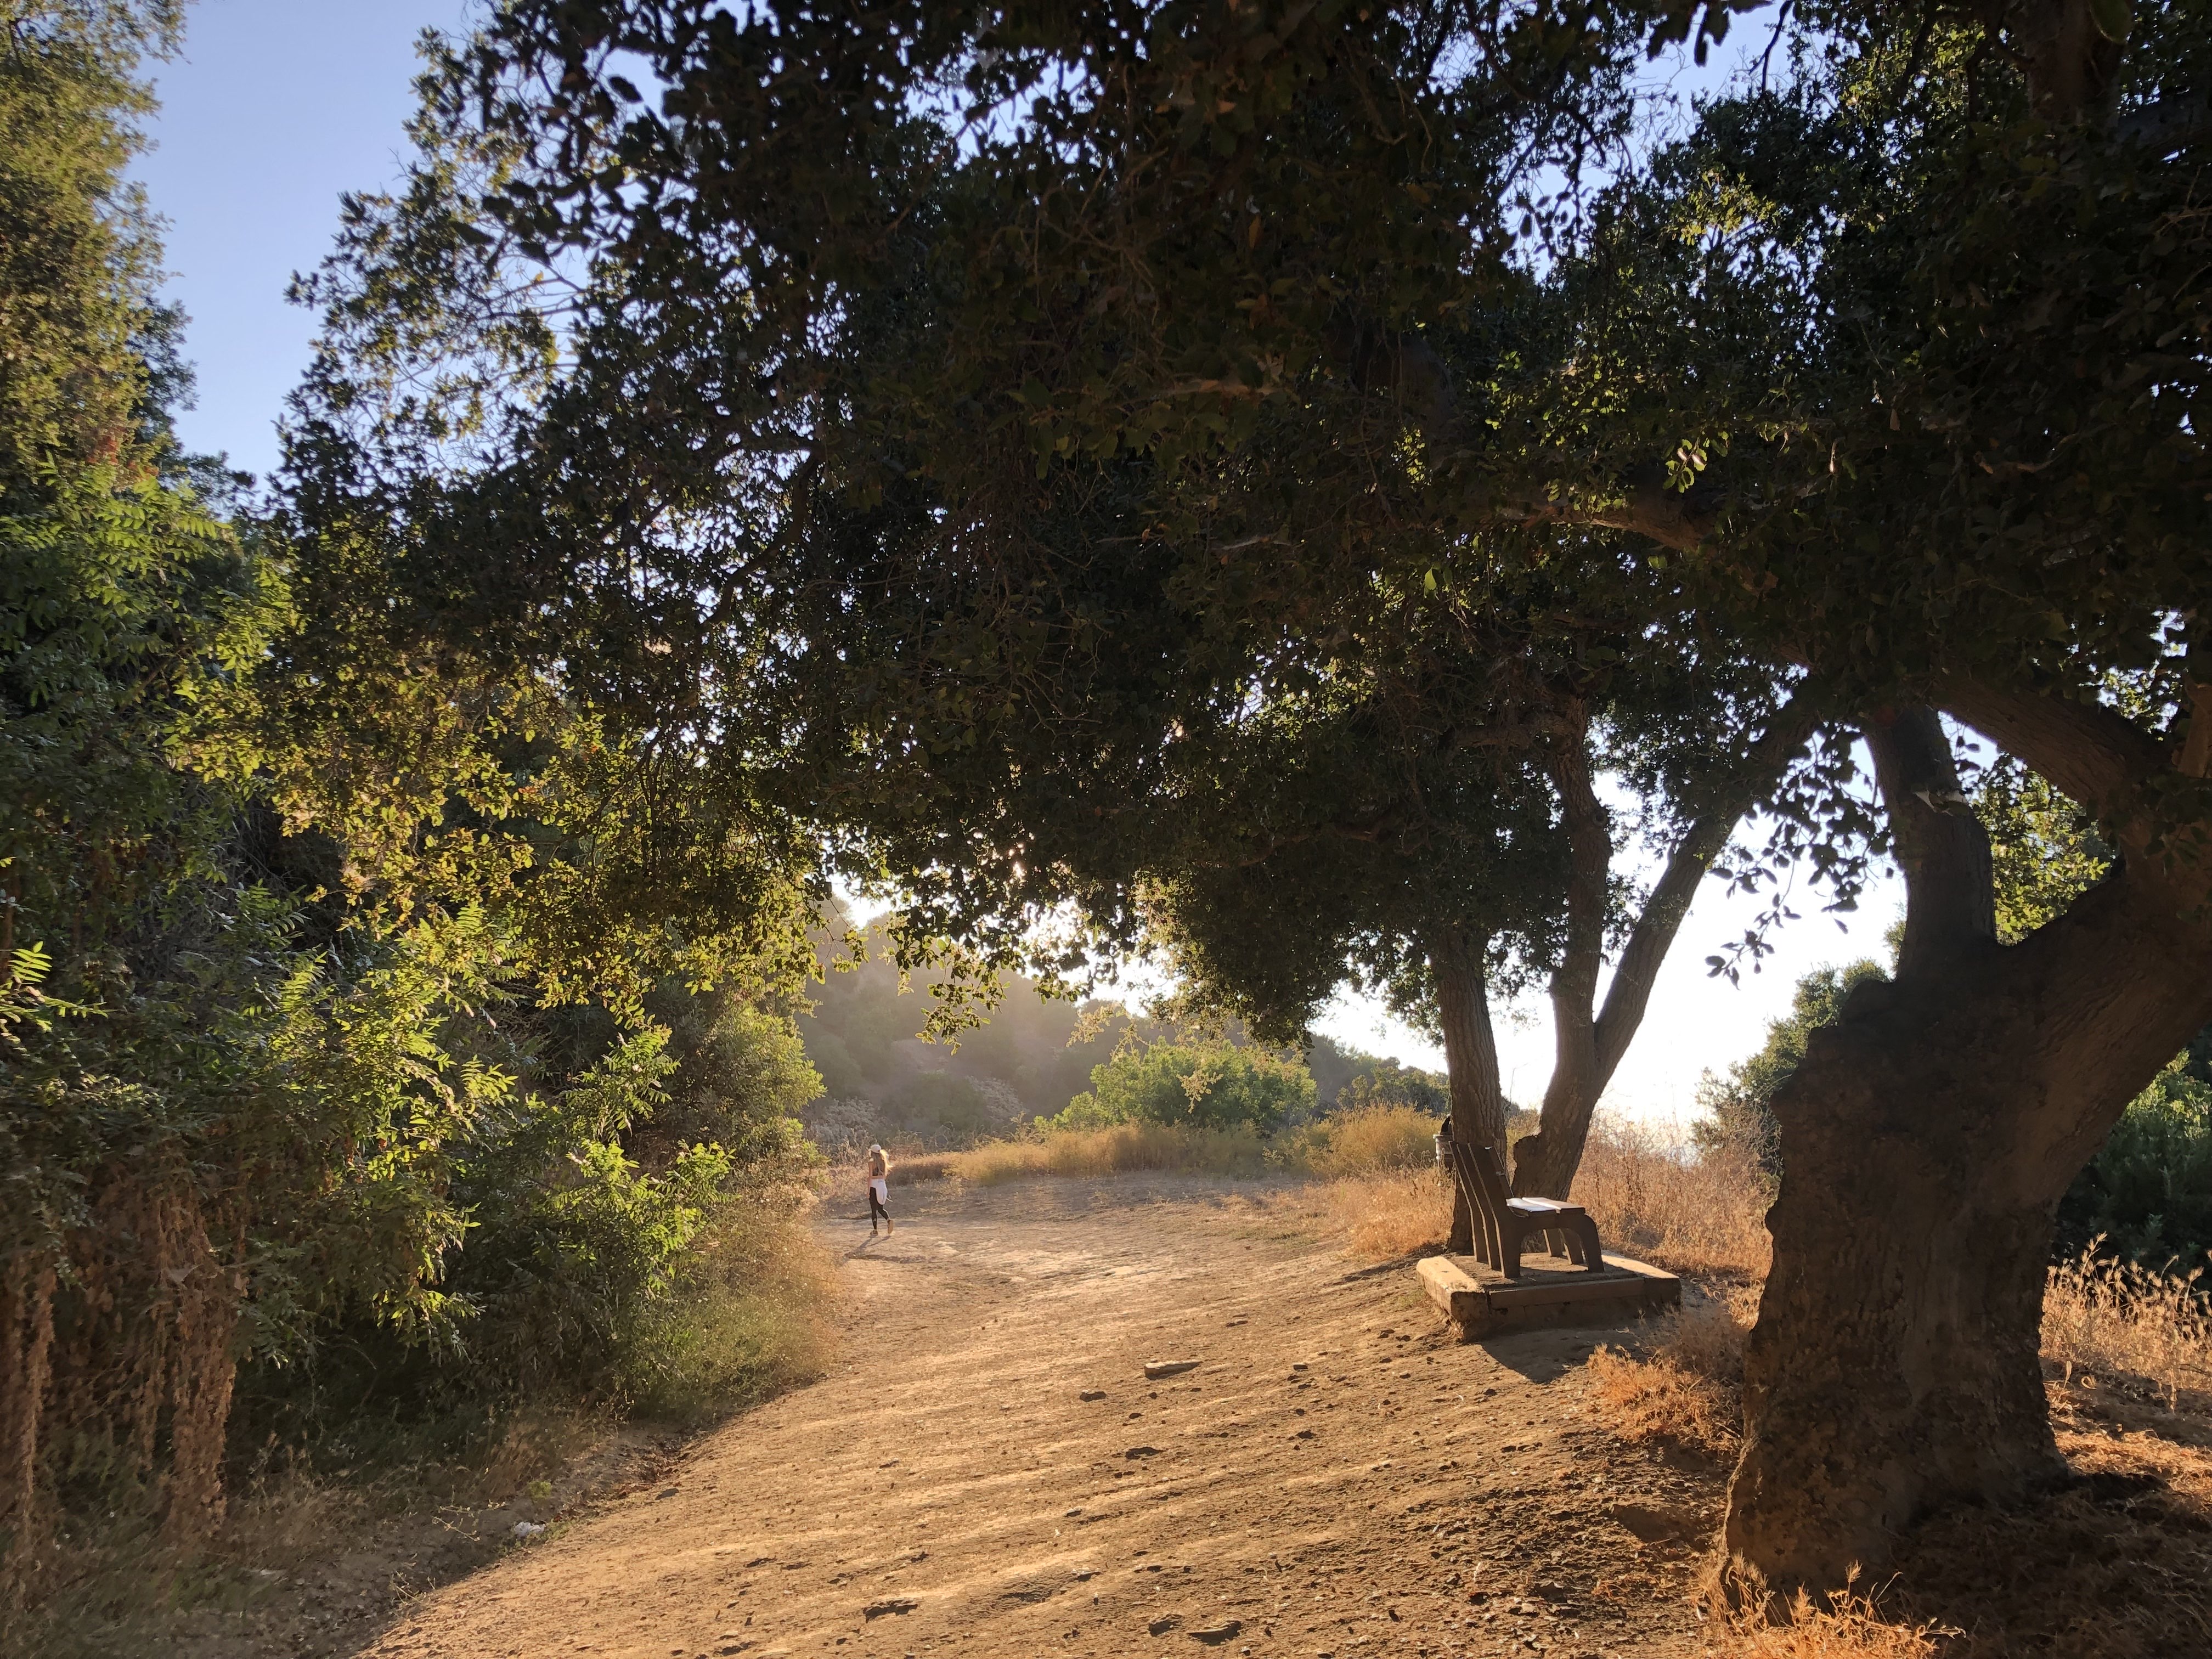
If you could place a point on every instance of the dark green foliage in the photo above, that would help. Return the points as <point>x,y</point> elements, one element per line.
<point>2148,1194</point>
<point>1200,1086</point>
<point>1741,1116</point>
<point>1388,1083</point>
<point>325,1043</point>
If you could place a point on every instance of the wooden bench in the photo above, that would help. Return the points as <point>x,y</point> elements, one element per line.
<point>1503,1222</point>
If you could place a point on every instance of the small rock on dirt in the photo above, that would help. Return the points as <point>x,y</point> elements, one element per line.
<point>1157,1369</point>
<point>1214,1634</point>
<point>889,1604</point>
<point>1092,1393</point>
<point>1162,1626</point>
<point>1142,1452</point>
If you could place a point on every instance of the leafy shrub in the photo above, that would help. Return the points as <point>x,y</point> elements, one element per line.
<point>1199,1085</point>
<point>2148,1193</point>
<point>1739,1107</point>
<point>1386,1083</point>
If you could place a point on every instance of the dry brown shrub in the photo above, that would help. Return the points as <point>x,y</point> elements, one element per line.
<point>1115,1151</point>
<point>1367,1140</point>
<point>1844,1624</point>
<point>2115,1320</point>
<point>1690,1213</point>
<point>1686,1388</point>
<point>920,1166</point>
<point>1380,1218</point>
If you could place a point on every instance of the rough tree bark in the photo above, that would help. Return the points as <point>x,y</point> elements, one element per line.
<point>1926,1139</point>
<point>1478,1100</point>
<point>1591,1041</point>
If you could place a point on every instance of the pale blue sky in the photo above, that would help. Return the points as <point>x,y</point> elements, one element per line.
<point>276,107</point>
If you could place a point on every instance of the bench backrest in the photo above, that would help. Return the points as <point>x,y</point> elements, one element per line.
<point>1479,1174</point>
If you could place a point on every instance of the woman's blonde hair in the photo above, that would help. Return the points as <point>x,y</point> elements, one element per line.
<point>878,1155</point>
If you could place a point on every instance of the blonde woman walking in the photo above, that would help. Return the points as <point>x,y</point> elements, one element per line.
<point>879,1190</point>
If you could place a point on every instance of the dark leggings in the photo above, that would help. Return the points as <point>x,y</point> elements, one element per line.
<point>876,1207</point>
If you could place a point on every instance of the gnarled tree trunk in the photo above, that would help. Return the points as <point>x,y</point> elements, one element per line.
<point>1478,1102</point>
<point>1926,1139</point>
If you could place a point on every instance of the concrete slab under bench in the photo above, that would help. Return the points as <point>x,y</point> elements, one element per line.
<point>1482,1302</point>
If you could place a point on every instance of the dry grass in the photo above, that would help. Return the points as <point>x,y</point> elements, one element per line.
<point>1844,1625</point>
<point>920,1167</point>
<point>1688,1388</point>
<point>2109,1322</point>
<point>1115,1151</point>
<point>1655,1199</point>
<point>1652,1198</point>
<point>1368,1141</point>
<point>1382,1217</point>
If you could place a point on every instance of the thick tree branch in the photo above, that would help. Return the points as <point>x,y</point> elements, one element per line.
<point>1630,993</point>
<point>2093,753</point>
<point>1683,523</point>
<point>1950,894</point>
<point>1588,827</point>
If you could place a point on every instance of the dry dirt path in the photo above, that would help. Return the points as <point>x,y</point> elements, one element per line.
<point>986,1471</point>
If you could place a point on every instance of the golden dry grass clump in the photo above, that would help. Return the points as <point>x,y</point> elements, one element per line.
<point>1702,1213</point>
<point>1366,1141</point>
<point>1687,1387</point>
<point>2117,1321</point>
<point>1382,1217</point>
<point>1844,1624</point>
<point>1115,1151</point>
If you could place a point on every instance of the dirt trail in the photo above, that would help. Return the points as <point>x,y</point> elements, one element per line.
<point>986,1471</point>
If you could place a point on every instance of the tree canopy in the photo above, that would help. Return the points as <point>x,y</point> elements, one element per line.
<point>1105,471</point>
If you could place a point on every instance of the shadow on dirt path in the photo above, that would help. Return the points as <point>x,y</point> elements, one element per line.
<point>986,1471</point>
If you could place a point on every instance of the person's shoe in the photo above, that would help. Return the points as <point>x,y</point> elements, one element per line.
<point>872,1230</point>
<point>889,1225</point>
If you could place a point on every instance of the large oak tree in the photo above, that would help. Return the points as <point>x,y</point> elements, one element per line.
<point>949,411</point>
